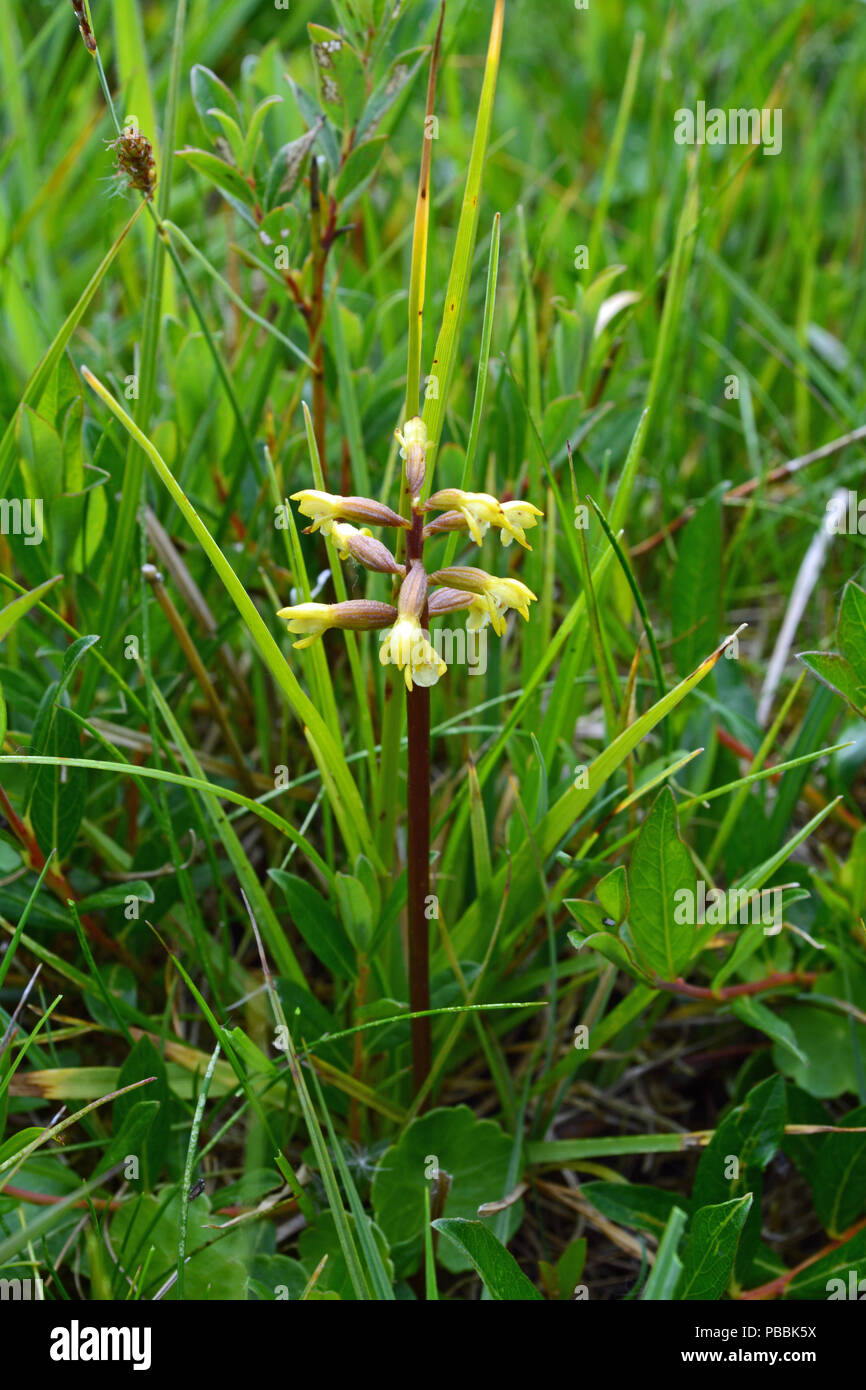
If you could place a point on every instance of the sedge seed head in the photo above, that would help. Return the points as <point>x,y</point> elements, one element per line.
<point>135,161</point>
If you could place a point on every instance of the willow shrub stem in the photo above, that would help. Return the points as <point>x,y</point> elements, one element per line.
<point>418,864</point>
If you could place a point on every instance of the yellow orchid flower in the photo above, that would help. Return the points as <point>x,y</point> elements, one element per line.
<point>499,595</point>
<point>326,508</point>
<point>480,511</point>
<point>312,619</point>
<point>309,618</point>
<point>520,516</point>
<point>406,647</point>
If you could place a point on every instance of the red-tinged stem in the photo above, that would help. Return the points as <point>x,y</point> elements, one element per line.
<point>777,981</point>
<point>418,866</point>
<point>778,1285</point>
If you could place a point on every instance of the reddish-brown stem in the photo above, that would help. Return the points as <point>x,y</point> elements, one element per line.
<point>418,866</point>
<point>778,1285</point>
<point>321,238</point>
<point>789,977</point>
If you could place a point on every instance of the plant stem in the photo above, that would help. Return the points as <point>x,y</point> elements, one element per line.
<point>418,865</point>
<point>319,249</point>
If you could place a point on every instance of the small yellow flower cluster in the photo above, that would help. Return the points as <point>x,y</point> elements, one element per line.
<point>406,642</point>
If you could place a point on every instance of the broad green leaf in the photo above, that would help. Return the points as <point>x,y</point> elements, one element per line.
<point>130,1136</point>
<point>634,1204</point>
<point>401,71</point>
<point>803,1109</point>
<point>569,1267</point>
<point>839,1275</point>
<point>286,167</point>
<point>612,893</point>
<point>835,671</point>
<point>225,177</point>
<point>117,894</point>
<point>50,1216</point>
<point>499,1271</point>
<point>144,1060</point>
<point>278,1276</point>
<point>41,456</point>
<point>254,133</point>
<point>476,1155</point>
<point>341,71</point>
<point>824,1036</point>
<point>317,924</point>
<point>355,911</point>
<point>751,1133</point>
<point>209,94</point>
<point>757,1015</point>
<point>733,1161</point>
<point>851,629</point>
<point>16,1142</point>
<point>15,611</point>
<point>661,867</point>
<point>613,950</point>
<point>357,171</point>
<point>57,800</point>
<point>217,1274</point>
<point>838,1177</point>
<point>712,1249</point>
<point>322,1239</point>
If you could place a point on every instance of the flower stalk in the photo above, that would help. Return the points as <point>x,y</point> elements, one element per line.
<point>406,644</point>
<point>418,843</point>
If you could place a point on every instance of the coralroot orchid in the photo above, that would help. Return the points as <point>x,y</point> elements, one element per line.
<point>487,597</point>
<point>406,645</point>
